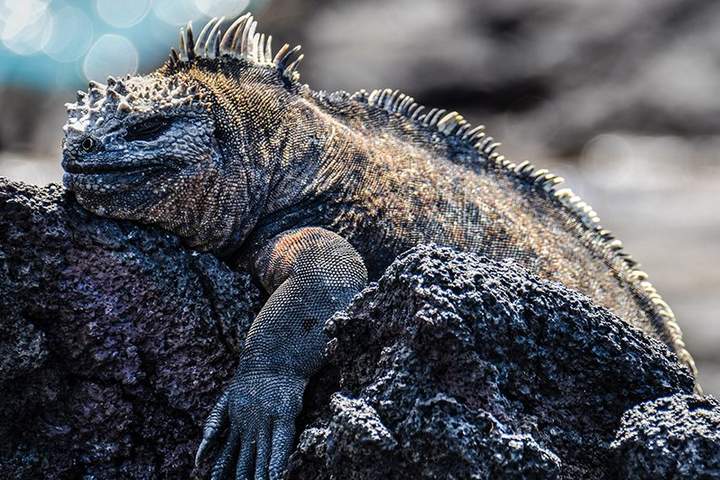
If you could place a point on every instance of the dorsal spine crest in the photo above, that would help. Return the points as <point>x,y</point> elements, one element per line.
<point>239,41</point>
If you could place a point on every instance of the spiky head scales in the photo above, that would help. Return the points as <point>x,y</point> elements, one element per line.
<point>239,42</point>
<point>123,100</point>
<point>240,47</point>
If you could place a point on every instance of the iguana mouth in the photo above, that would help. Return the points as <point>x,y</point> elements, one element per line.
<point>75,167</point>
<point>109,178</point>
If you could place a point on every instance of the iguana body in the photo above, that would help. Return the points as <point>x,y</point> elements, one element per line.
<point>316,193</point>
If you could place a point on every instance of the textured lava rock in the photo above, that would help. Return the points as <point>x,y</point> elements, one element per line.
<point>674,437</point>
<point>115,340</point>
<point>454,366</point>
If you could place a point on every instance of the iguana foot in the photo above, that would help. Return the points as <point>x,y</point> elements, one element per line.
<point>259,411</point>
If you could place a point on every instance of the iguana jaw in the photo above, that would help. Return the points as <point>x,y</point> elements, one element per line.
<point>109,177</point>
<point>109,182</point>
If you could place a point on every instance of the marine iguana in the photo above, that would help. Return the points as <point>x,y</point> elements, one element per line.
<point>316,193</point>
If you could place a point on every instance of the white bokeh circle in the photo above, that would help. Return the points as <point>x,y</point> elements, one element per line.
<point>111,54</point>
<point>122,13</point>
<point>220,8</point>
<point>176,12</point>
<point>26,25</point>
<point>71,37</point>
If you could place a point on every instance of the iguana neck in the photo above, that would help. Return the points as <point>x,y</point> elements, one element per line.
<point>320,159</point>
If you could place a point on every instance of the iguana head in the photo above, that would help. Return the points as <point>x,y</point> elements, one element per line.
<point>178,148</point>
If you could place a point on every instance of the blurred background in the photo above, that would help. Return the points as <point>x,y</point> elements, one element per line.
<point>619,97</point>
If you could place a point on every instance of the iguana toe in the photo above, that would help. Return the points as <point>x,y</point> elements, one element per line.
<point>223,465</point>
<point>282,441</point>
<point>242,471</point>
<point>262,456</point>
<point>216,421</point>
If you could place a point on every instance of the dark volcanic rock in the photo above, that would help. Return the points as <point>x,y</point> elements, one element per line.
<point>674,437</point>
<point>114,341</point>
<point>454,366</point>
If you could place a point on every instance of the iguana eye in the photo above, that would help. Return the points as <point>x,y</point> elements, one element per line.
<point>88,144</point>
<point>147,130</point>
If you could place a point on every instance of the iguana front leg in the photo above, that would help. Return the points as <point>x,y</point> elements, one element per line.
<point>311,273</point>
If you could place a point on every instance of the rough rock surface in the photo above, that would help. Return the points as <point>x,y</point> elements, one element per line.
<point>456,367</point>
<point>114,341</point>
<point>675,437</point>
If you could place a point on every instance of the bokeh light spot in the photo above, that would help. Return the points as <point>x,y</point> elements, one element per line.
<point>71,36</point>
<point>176,12</point>
<point>110,55</point>
<point>219,8</point>
<point>122,13</point>
<point>26,25</point>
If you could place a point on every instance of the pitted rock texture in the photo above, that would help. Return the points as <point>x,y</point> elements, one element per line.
<point>454,366</point>
<point>115,340</point>
<point>674,437</point>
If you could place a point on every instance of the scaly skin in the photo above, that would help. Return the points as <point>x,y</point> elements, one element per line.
<point>224,147</point>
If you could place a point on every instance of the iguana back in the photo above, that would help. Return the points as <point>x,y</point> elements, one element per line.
<point>422,176</point>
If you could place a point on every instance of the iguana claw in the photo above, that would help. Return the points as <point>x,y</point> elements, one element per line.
<point>216,421</point>
<point>260,412</point>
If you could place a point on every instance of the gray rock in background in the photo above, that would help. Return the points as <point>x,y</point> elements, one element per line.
<point>559,71</point>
